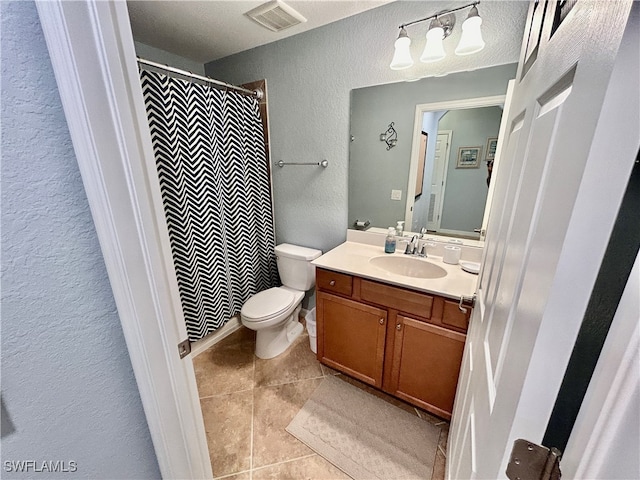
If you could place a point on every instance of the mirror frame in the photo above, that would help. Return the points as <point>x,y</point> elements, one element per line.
<point>421,109</point>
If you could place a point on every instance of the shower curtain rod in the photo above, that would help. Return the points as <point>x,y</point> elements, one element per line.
<point>253,93</point>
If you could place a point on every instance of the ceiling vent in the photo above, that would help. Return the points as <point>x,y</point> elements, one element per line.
<point>275,16</point>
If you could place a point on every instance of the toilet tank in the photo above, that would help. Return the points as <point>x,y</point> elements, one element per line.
<point>294,266</point>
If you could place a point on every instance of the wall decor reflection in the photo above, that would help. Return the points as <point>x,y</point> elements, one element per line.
<point>492,143</point>
<point>469,157</point>
<point>390,137</point>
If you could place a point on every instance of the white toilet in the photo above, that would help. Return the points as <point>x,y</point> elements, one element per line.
<point>273,313</point>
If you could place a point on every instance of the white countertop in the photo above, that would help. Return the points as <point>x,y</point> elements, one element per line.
<point>353,258</point>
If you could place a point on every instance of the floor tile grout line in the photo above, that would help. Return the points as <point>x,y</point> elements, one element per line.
<point>286,461</point>
<point>289,383</point>
<point>226,393</point>
<point>229,475</point>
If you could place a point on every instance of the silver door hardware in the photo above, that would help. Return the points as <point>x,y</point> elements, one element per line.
<point>533,462</point>
<point>468,301</point>
<point>184,348</point>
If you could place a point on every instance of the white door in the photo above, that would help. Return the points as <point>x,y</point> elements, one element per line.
<point>496,160</point>
<point>436,194</point>
<point>523,326</point>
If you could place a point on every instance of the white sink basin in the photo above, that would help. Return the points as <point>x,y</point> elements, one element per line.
<point>408,266</point>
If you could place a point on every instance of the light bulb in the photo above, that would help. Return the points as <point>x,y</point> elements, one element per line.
<point>433,50</point>
<point>471,40</point>
<point>402,54</point>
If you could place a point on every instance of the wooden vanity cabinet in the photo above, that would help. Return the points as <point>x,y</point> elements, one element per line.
<point>425,365</point>
<point>405,342</point>
<point>352,337</point>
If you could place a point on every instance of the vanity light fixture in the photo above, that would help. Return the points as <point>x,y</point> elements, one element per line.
<point>402,55</point>
<point>441,26</point>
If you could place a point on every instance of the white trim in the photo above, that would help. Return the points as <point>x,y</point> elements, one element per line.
<point>209,341</point>
<point>621,400</point>
<point>421,109</point>
<point>93,57</point>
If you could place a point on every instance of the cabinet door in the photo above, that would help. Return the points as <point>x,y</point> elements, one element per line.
<point>351,337</point>
<point>426,364</point>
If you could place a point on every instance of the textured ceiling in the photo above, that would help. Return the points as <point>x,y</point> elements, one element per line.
<point>203,31</point>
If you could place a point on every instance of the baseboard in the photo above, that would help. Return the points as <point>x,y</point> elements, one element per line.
<point>205,343</point>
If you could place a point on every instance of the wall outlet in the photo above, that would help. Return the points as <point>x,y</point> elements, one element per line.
<point>396,194</point>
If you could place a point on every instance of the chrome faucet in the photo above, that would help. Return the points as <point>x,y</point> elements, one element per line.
<point>412,246</point>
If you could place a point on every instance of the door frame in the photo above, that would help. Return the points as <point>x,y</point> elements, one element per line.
<point>421,109</point>
<point>93,57</point>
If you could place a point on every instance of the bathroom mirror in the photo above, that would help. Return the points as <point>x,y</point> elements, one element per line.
<point>436,174</point>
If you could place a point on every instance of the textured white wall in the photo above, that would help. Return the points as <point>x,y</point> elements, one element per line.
<point>161,56</point>
<point>309,79</point>
<point>67,381</point>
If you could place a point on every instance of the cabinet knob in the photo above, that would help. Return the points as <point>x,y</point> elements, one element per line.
<point>381,321</point>
<point>399,326</point>
<point>332,283</point>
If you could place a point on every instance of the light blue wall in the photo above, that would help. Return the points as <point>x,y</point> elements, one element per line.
<point>161,56</point>
<point>466,189</point>
<point>67,381</point>
<point>309,80</point>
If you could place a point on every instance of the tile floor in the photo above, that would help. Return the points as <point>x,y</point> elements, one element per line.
<point>247,402</point>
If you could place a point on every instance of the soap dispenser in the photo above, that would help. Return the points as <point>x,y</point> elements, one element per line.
<point>400,228</point>
<point>390,241</point>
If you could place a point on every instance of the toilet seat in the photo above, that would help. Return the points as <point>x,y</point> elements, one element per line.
<point>267,304</point>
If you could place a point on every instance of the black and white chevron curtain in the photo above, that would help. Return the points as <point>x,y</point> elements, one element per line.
<point>210,155</point>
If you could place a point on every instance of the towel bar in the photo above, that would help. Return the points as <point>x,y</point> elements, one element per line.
<point>323,163</point>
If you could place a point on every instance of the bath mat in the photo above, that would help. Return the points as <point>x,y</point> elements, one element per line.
<point>364,436</point>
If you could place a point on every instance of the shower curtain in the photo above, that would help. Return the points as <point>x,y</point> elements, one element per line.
<point>216,192</point>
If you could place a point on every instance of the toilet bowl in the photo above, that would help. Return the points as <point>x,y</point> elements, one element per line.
<point>273,313</point>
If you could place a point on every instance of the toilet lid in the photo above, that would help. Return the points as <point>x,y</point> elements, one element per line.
<point>267,303</point>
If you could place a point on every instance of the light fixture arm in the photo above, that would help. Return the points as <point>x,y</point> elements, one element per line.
<point>439,14</point>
